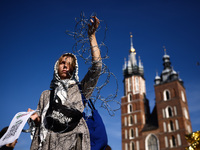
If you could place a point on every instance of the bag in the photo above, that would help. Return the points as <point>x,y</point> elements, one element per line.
<point>98,135</point>
<point>60,118</point>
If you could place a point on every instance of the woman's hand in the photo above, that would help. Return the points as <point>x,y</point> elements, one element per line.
<point>34,116</point>
<point>94,24</point>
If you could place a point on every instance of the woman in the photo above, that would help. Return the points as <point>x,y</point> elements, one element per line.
<point>66,89</point>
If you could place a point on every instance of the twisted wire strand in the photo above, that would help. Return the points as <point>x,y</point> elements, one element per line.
<point>82,49</point>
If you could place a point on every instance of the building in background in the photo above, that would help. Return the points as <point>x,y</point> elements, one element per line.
<point>163,128</point>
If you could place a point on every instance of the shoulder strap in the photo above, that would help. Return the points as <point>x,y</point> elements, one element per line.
<point>84,100</point>
<point>51,97</point>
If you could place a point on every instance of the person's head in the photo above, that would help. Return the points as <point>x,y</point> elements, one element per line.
<point>66,66</point>
<point>3,131</point>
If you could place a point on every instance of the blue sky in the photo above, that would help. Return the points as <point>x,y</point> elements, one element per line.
<point>32,37</point>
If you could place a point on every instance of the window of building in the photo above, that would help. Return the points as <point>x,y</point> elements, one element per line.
<point>126,134</point>
<point>183,96</point>
<point>171,126</point>
<point>179,139</point>
<point>135,117</point>
<point>185,113</point>
<point>136,132</point>
<point>166,95</point>
<point>163,112</point>
<point>131,133</point>
<point>166,141</point>
<point>152,142</point>
<point>129,84</point>
<point>175,111</point>
<point>137,84</point>
<point>130,120</point>
<point>129,97</point>
<point>164,127</point>
<point>169,112</point>
<point>133,84</point>
<point>132,146</point>
<point>125,121</point>
<point>130,108</point>
<point>126,146</point>
<point>177,125</point>
<point>173,141</point>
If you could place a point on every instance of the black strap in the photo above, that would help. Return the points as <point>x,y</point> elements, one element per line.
<point>51,97</point>
<point>84,100</point>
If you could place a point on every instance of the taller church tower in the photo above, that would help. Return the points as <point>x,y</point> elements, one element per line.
<point>134,105</point>
<point>166,126</point>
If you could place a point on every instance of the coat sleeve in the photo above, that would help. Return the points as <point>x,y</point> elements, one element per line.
<point>91,78</point>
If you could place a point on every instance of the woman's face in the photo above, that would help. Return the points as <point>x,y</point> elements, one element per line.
<point>65,69</point>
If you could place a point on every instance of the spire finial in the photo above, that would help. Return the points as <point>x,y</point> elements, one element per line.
<point>165,50</point>
<point>132,50</point>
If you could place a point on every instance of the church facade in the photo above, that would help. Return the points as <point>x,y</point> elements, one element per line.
<point>165,127</point>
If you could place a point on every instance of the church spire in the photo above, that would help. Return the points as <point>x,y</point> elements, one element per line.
<point>132,49</point>
<point>131,67</point>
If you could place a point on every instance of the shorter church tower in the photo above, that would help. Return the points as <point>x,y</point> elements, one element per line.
<point>172,108</point>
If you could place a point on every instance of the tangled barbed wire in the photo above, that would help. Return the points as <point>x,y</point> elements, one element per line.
<point>82,49</point>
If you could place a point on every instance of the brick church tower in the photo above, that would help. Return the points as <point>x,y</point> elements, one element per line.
<point>165,127</point>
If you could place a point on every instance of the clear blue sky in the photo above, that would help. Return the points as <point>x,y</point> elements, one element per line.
<point>32,37</point>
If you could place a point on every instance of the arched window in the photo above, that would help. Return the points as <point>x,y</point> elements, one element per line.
<point>173,141</point>
<point>131,134</point>
<point>151,142</point>
<point>125,121</point>
<point>166,95</point>
<point>126,134</point>
<point>169,112</point>
<point>132,147</point>
<point>137,84</point>
<point>130,120</point>
<point>185,113</point>
<point>183,96</point>
<point>130,108</point>
<point>171,125</point>
<point>129,97</point>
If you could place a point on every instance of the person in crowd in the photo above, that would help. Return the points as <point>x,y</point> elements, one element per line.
<point>9,146</point>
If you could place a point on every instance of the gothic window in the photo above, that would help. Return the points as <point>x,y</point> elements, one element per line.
<point>177,125</point>
<point>173,143</point>
<point>166,95</point>
<point>171,126</point>
<point>136,132</point>
<point>152,143</point>
<point>132,147</point>
<point>135,117</point>
<point>126,134</point>
<point>130,108</point>
<point>179,139</point>
<point>183,96</point>
<point>169,112</point>
<point>126,146</point>
<point>164,127</point>
<point>137,84</point>
<point>130,120</point>
<point>166,141</point>
<point>131,134</point>
<point>129,97</point>
<point>175,111</point>
<point>125,121</point>
<point>129,84</point>
<point>185,113</point>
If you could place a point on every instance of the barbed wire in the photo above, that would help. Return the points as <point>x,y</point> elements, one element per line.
<point>82,49</point>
